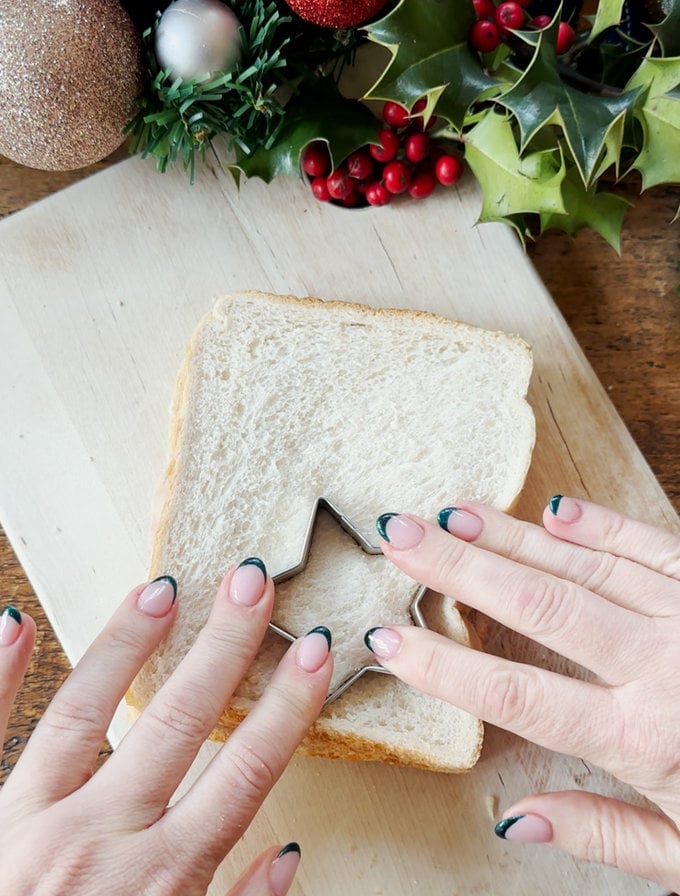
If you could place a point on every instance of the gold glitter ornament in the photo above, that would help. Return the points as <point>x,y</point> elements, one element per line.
<point>70,71</point>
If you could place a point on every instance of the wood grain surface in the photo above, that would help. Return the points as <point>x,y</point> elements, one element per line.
<point>624,312</point>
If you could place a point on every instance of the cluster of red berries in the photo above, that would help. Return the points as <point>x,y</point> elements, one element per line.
<point>403,160</point>
<point>494,22</point>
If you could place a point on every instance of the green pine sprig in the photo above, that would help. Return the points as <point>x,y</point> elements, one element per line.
<point>178,120</point>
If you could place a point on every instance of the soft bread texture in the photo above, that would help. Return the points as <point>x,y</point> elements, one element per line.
<point>281,401</point>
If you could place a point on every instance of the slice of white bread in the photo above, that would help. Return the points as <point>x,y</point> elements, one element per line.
<point>282,401</point>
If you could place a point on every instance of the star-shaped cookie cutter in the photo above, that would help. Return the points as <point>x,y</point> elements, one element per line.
<point>366,546</point>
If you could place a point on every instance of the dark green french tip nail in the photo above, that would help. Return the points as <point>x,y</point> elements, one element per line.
<point>381,523</point>
<point>322,630</point>
<point>13,613</point>
<point>554,503</point>
<point>171,581</point>
<point>255,561</point>
<point>502,827</point>
<point>367,637</point>
<point>289,847</point>
<point>443,517</point>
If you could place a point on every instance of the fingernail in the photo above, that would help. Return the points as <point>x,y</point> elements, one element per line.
<point>313,649</point>
<point>158,597</point>
<point>282,869</point>
<point>401,531</point>
<point>10,626</point>
<point>525,829</point>
<point>565,509</point>
<point>248,582</point>
<point>383,642</point>
<point>460,523</point>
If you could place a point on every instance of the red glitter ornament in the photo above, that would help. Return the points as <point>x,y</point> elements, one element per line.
<point>336,13</point>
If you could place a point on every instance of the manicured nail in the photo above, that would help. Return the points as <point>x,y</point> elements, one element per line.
<point>565,509</point>
<point>10,626</point>
<point>282,869</point>
<point>248,582</point>
<point>313,649</point>
<point>525,829</point>
<point>158,597</point>
<point>401,531</point>
<point>383,642</point>
<point>460,523</point>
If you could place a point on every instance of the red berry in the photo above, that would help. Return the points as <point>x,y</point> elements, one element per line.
<point>395,114</point>
<point>422,185</point>
<point>352,200</point>
<point>316,159</point>
<point>387,146</point>
<point>448,169</point>
<point>484,9</point>
<point>485,36</point>
<point>320,189</point>
<point>565,38</point>
<point>340,184</point>
<point>377,194</point>
<point>419,106</point>
<point>359,164</point>
<point>417,147</point>
<point>540,21</point>
<point>509,15</point>
<point>396,177</point>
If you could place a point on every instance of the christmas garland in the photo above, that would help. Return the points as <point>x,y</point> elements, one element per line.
<point>548,113</point>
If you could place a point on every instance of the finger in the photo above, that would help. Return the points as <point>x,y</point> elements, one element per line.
<point>606,530</point>
<point>17,637</point>
<point>598,829</point>
<point>618,579</point>
<point>60,755</point>
<point>553,611</point>
<point>216,810</point>
<point>156,754</point>
<point>271,874</point>
<point>528,701</point>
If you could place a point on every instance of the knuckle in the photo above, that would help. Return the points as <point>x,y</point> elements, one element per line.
<point>436,670</point>
<point>185,719</point>
<point>509,699</point>
<point>541,607</point>
<point>251,775</point>
<point>515,540</point>
<point>613,528</point>
<point>446,567</point>
<point>79,716</point>
<point>596,571</point>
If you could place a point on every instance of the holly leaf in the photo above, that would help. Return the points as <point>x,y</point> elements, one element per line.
<point>512,184</point>
<point>431,56</point>
<point>586,207</point>
<point>607,15</point>
<point>659,115</point>
<point>318,111</point>
<point>667,32</point>
<point>541,98</point>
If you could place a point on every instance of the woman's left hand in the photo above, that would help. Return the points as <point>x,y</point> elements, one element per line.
<point>65,830</point>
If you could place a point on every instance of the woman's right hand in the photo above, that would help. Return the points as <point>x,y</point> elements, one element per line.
<point>603,591</point>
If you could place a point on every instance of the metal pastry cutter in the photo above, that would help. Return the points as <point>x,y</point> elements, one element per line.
<point>367,547</point>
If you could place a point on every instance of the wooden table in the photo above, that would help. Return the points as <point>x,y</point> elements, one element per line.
<point>624,312</point>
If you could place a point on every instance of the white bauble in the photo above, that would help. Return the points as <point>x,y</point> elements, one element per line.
<point>196,38</point>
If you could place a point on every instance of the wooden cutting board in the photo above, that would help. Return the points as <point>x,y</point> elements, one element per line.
<point>100,289</point>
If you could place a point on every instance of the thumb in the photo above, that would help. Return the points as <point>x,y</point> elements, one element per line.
<point>270,874</point>
<point>598,829</point>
